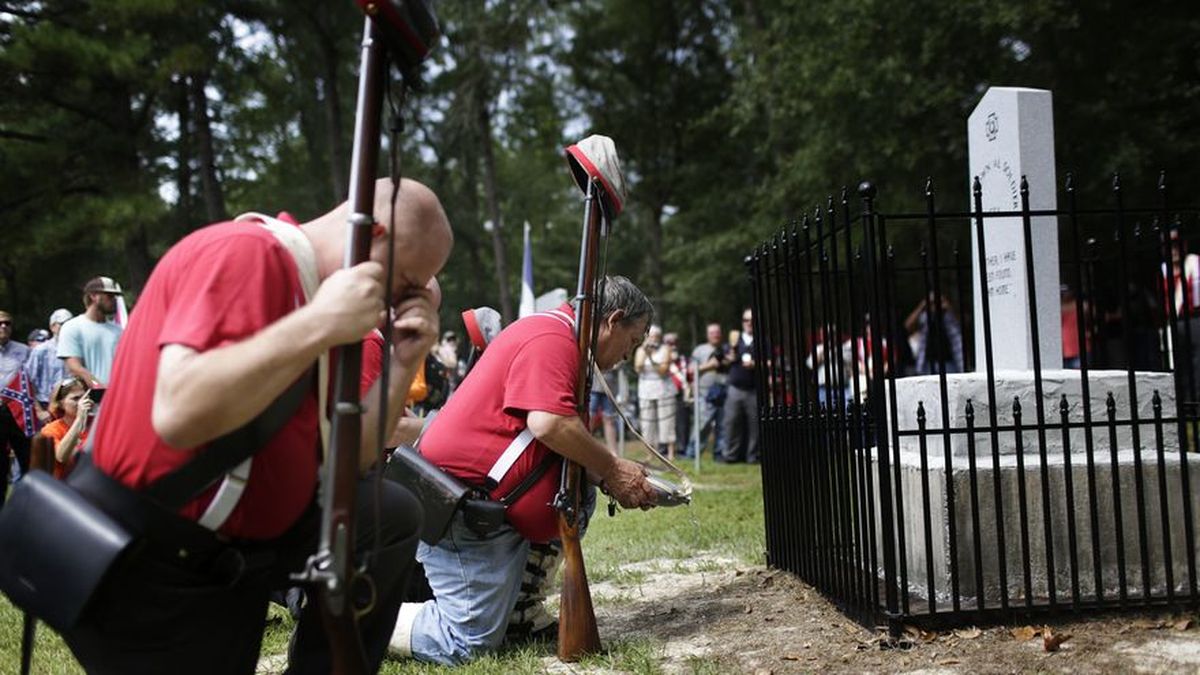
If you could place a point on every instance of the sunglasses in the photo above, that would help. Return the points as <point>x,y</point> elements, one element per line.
<point>5,322</point>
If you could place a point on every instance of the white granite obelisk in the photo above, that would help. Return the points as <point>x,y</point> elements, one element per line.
<point>1011,134</point>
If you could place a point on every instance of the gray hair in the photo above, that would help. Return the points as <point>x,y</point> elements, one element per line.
<point>619,293</point>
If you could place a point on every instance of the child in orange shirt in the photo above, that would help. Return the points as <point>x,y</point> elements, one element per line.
<point>70,405</point>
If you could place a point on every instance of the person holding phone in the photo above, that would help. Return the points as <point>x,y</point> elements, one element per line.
<point>656,392</point>
<point>70,405</point>
<point>741,400</point>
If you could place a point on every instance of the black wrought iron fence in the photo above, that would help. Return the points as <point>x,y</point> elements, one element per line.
<point>912,474</point>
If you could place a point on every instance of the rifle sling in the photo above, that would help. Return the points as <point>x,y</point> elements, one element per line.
<point>185,483</point>
<point>528,481</point>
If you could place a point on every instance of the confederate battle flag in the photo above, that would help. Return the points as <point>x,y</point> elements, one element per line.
<point>18,396</point>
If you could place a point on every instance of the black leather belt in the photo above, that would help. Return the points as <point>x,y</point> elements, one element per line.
<point>164,535</point>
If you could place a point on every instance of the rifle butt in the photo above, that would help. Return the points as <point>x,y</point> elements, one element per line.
<point>577,631</point>
<point>345,649</point>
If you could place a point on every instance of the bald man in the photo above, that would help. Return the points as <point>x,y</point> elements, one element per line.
<point>228,321</point>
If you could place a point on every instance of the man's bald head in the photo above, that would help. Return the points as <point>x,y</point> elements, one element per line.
<point>418,210</point>
<point>423,234</point>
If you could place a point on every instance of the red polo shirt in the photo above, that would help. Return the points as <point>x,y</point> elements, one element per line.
<point>219,285</point>
<point>531,365</point>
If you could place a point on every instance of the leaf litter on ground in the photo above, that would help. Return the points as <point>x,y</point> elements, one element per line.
<point>1051,641</point>
<point>968,633</point>
<point>1025,633</point>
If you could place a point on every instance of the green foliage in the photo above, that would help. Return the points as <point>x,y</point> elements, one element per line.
<point>127,123</point>
<point>654,76</point>
<point>882,91</point>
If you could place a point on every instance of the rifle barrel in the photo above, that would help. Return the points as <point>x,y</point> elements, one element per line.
<point>340,479</point>
<point>577,631</point>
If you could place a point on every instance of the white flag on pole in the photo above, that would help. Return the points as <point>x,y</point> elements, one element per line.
<point>527,297</point>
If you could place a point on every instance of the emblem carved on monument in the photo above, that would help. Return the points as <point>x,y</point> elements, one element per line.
<point>991,126</point>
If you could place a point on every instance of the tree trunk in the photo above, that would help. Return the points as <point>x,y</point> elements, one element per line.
<point>653,262</point>
<point>12,296</point>
<point>214,199</point>
<point>333,122</point>
<point>185,214</point>
<point>138,262</point>
<point>759,49</point>
<point>137,243</point>
<point>475,249</point>
<point>484,120</point>
<point>309,121</point>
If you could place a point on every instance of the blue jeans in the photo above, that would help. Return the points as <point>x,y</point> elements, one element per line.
<point>711,419</point>
<point>599,402</point>
<point>475,582</point>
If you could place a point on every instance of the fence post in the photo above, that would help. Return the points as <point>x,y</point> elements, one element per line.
<point>696,408</point>
<point>755,276</point>
<point>876,400</point>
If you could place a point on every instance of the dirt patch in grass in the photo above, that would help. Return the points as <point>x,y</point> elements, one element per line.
<point>716,615</point>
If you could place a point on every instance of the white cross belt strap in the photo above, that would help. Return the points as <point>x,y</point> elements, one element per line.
<point>234,484</point>
<point>509,457</point>
<point>227,497</point>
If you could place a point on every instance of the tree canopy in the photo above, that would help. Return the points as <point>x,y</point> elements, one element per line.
<point>126,124</point>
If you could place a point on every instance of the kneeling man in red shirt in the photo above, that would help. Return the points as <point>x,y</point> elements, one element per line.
<point>513,417</point>
<point>232,316</point>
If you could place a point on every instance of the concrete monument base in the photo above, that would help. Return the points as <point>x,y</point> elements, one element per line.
<point>1013,384</point>
<point>1118,508</point>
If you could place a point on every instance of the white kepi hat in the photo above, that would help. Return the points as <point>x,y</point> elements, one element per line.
<point>483,324</point>
<point>60,316</point>
<point>596,157</point>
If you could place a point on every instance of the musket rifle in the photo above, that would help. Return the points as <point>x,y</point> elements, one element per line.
<point>404,31</point>
<point>596,170</point>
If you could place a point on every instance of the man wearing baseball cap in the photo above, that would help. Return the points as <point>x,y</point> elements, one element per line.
<point>89,341</point>
<point>44,367</point>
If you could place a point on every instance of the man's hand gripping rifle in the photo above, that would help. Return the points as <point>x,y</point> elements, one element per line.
<point>402,32</point>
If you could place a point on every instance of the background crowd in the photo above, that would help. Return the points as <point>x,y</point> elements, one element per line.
<point>53,380</point>
<point>52,383</point>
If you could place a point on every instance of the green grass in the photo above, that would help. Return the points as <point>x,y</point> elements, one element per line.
<point>724,520</point>
<point>50,654</point>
